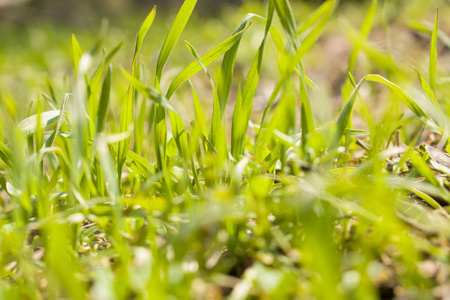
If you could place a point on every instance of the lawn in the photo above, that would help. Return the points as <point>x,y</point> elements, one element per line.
<point>277,150</point>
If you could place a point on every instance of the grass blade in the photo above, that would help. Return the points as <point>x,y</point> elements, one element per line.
<point>104,102</point>
<point>207,59</point>
<point>227,68</point>
<point>344,117</point>
<point>216,132</point>
<point>61,118</point>
<point>160,116</point>
<point>433,54</point>
<point>5,154</point>
<point>435,108</point>
<point>127,113</point>
<point>409,101</point>
<point>172,37</point>
<point>77,53</point>
<point>238,127</point>
<point>366,27</point>
<point>107,163</point>
<point>51,90</point>
<point>179,133</point>
<point>287,19</point>
<point>148,92</point>
<point>307,117</point>
<point>200,120</point>
<point>29,125</point>
<point>318,14</point>
<point>244,102</point>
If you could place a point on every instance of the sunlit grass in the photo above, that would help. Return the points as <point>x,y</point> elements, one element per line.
<point>162,181</point>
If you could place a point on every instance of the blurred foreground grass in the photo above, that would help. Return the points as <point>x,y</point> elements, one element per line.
<point>258,160</point>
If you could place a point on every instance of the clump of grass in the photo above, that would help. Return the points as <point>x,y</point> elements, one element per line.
<point>145,203</point>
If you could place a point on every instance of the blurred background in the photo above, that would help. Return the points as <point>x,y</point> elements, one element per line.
<point>35,39</point>
<point>82,11</point>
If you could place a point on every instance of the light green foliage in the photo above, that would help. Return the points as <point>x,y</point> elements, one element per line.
<point>254,181</point>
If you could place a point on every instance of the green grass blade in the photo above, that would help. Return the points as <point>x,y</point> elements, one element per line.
<point>365,110</point>
<point>108,166</point>
<point>227,68</point>
<point>345,115</point>
<point>113,52</point>
<point>127,113</point>
<point>409,101</point>
<point>442,36</point>
<point>314,34</point>
<point>140,120</point>
<point>429,93</point>
<point>39,134</point>
<point>359,40</point>
<point>76,53</point>
<point>143,164</point>
<point>433,54</point>
<point>200,120</point>
<point>3,183</point>
<point>238,127</point>
<point>61,118</point>
<point>207,59</point>
<point>307,117</point>
<point>51,90</point>
<point>318,14</point>
<point>104,101</point>
<point>216,133</point>
<point>286,16</point>
<point>5,154</point>
<point>179,133</point>
<point>423,168</point>
<point>172,37</point>
<point>261,136</point>
<point>98,42</point>
<point>366,27</point>
<point>243,106</point>
<point>148,91</point>
<point>251,81</point>
<point>141,36</point>
<point>175,31</point>
<point>47,118</point>
<point>98,72</point>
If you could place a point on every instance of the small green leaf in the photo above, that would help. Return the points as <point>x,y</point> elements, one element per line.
<point>174,34</point>
<point>433,54</point>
